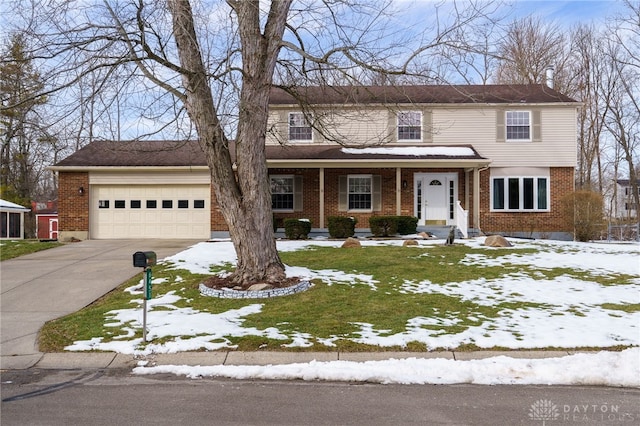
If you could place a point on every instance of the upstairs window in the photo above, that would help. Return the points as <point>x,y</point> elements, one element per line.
<point>518,126</point>
<point>409,126</point>
<point>299,128</point>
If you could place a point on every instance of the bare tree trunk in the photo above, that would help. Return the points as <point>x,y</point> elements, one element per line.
<point>245,201</point>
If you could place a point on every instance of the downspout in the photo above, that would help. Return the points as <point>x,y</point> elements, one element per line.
<point>398,191</point>
<point>476,197</point>
<point>321,195</point>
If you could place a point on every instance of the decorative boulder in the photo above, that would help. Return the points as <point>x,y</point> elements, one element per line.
<point>260,287</point>
<point>410,243</point>
<point>497,241</point>
<point>351,242</point>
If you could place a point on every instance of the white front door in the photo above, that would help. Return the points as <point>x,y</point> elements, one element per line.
<point>435,197</point>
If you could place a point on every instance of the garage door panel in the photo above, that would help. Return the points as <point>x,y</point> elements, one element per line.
<point>148,218</point>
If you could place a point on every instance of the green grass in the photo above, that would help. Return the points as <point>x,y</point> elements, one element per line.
<point>10,249</point>
<point>633,307</point>
<point>334,311</point>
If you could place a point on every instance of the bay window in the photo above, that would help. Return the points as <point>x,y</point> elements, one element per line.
<point>520,193</point>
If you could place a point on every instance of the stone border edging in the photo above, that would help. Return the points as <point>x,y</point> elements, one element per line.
<point>261,294</point>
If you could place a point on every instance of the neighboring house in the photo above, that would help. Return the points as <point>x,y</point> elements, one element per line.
<point>46,219</point>
<point>625,206</point>
<point>492,159</point>
<point>12,220</point>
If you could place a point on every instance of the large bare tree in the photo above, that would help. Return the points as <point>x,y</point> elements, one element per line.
<point>210,65</point>
<point>622,83</point>
<point>529,48</point>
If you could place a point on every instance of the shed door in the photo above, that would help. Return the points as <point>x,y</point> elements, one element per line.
<point>53,228</point>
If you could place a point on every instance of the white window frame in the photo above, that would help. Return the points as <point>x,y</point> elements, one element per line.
<point>517,123</point>
<point>349,193</point>
<point>297,120</point>
<point>293,192</point>
<point>521,191</point>
<point>399,125</point>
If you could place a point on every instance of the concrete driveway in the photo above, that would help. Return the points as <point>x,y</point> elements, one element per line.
<point>49,284</point>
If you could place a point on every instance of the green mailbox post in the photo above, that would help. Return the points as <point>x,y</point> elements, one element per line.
<point>145,259</point>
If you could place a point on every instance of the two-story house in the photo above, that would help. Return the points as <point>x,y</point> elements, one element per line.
<point>625,203</point>
<point>492,159</point>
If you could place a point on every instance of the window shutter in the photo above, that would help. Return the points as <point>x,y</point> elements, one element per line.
<point>393,126</point>
<point>536,132</point>
<point>282,128</point>
<point>500,126</point>
<point>376,193</point>
<point>343,194</point>
<point>427,126</point>
<point>297,193</point>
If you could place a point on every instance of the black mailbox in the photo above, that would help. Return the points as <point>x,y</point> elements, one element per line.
<point>144,259</point>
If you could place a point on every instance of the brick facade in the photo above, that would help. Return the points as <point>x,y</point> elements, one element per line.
<point>310,196</point>
<point>520,223</point>
<point>534,223</point>
<point>311,200</point>
<point>217,219</point>
<point>73,207</point>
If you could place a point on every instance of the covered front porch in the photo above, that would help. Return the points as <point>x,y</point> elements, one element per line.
<point>440,187</point>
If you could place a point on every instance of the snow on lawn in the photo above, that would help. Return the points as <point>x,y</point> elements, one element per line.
<point>561,312</point>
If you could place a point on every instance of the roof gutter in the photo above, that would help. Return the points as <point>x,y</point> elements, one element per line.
<point>295,163</point>
<point>378,164</point>
<point>126,168</point>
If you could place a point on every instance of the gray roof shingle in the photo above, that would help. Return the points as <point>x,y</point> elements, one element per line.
<point>423,94</point>
<point>189,153</point>
<point>136,153</point>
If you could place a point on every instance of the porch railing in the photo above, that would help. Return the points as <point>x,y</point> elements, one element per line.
<point>462,220</point>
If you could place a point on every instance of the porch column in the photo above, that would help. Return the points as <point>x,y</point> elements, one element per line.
<point>321,195</point>
<point>476,199</point>
<point>467,190</point>
<point>398,191</point>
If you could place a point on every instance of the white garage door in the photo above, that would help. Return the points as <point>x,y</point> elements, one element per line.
<point>150,211</point>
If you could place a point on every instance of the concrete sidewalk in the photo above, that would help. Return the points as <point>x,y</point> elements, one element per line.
<point>49,284</point>
<point>109,360</point>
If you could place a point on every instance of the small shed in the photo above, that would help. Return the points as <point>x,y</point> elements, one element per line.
<point>46,219</point>
<point>12,220</point>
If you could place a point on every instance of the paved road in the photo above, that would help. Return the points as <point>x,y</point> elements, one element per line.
<point>114,397</point>
<point>49,284</point>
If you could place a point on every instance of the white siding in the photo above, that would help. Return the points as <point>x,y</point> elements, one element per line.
<point>455,125</point>
<point>478,128</point>
<point>344,125</point>
<point>149,177</point>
